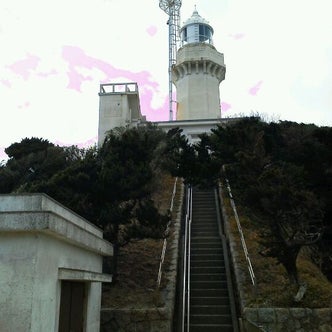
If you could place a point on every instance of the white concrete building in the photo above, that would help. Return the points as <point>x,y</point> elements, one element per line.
<point>193,128</point>
<point>50,267</point>
<point>119,106</point>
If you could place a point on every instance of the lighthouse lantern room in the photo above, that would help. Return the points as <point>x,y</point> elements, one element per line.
<point>196,30</point>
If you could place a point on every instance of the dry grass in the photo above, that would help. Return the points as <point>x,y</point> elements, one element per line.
<point>137,276</point>
<point>138,264</point>
<point>273,287</point>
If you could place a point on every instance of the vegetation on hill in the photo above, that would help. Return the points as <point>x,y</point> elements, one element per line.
<point>272,288</point>
<point>281,172</point>
<point>273,173</point>
<point>111,186</point>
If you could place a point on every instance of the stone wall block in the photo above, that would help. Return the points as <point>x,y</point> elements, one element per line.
<point>325,328</point>
<point>251,314</point>
<point>298,313</point>
<point>282,315</point>
<point>266,315</point>
<point>160,326</point>
<point>323,315</point>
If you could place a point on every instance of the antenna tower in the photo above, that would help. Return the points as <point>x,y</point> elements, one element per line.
<point>172,9</point>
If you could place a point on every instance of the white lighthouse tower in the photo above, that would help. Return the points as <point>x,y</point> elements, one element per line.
<point>198,71</point>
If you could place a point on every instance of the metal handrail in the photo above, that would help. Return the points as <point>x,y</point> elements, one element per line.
<point>243,242</point>
<point>173,195</point>
<point>186,264</point>
<point>163,251</point>
<point>184,276</point>
<point>189,256</point>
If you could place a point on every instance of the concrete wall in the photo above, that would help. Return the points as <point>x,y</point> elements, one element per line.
<point>113,112</point>
<point>119,106</point>
<point>200,51</point>
<point>30,288</point>
<point>36,245</point>
<point>33,203</point>
<point>197,97</point>
<point>197,74</point>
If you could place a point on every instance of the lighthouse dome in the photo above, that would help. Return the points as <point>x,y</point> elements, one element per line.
<point>196,29</point>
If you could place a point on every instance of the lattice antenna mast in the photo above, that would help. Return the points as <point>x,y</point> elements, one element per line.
<point>172,9</point>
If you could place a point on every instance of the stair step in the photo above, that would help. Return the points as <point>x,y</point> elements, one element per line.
<point>199,263</point>
<point>204,232</point>
<point>222,292</point>
<point>211,328</point>
<point>204,212</point>
<point>195,242</point>
<point>203,309</point>
<point>203,219</point>
<point>201,233</point>
<point>210,319</point>
<point>213,229</point>
<point>204,223</point>
<point>213,284</point>
<point>207,277</point>
<point>204,300</point>
<point>207,256</point>
<point>198,269</point>
<point>211,245</point>
<point>206,251</point>
<point>199,198</point>
<point>205,239</point>
<point>205,228</point>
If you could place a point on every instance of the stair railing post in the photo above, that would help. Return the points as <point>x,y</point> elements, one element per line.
<point>185,262</point>
<point>188,260</point>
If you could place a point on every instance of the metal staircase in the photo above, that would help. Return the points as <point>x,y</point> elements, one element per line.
<point>209,305</point>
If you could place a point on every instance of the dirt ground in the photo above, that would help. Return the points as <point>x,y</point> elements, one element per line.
<point>137,278</point>
<point>138,266</point>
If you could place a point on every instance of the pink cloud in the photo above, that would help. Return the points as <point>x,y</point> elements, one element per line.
<point>24,105</point>
<point>25,66</point>
<point>47,74</point>
<point>6,83</point>
<point>160,114</point>
<point>254,89</point>
<point>3,155</point>
<point>152,30</point>
<point>225,106</point>
<point>77,59</point>
<point>90,142</point>
<point>237,36</point>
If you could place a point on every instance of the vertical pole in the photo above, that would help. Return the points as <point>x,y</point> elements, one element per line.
<point>171,7</point>
<point>170,60</point>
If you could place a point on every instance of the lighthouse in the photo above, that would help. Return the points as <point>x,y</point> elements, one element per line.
<point>196,69</point>
<point>198,72</point>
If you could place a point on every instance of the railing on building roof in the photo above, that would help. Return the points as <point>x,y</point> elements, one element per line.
<point>118,88</point>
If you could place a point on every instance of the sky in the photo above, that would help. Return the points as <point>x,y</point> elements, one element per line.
<point>55,54</point>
